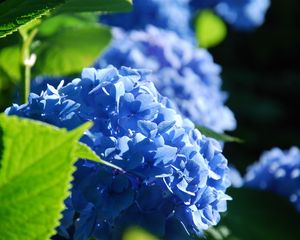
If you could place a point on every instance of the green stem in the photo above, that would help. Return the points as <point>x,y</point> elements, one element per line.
<point>25,67</point>
<point>27,82</point>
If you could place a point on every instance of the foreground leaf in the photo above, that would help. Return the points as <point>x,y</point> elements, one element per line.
<point>36,169</point>
<point>218,136</point>
<point>258,215</point>
<point>58,23</point>
<point>10,58</point>
<point>15,13</point>
<point>68,51</point>
<point>10,64</point>
<point>1,145</point>
<point>96,5</point>
<point>83,151</point>
<point>210,29</point>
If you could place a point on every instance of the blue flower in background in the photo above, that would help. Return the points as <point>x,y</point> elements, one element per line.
<point>235,177</point>
<point>172,15</point>
<point>185,74</point>
<point>173,174</point>
<point>201,4</point>
<point>241,14</point>
<point>277,171</point>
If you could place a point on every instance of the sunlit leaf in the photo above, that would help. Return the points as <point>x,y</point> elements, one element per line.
<point>210,29</point>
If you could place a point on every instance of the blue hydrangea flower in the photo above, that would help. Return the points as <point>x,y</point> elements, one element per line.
<point>172,15</point>
<point>235,177</point>
<point>185,74</point>
<point>277,171</point>
<point>241,14</point>
<point>39,83</point>
<point>173,175</point>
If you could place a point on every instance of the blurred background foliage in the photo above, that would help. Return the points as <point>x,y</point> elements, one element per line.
<point>262,75</point>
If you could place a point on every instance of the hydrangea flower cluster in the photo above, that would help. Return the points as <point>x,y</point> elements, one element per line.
<point>277,171</point>
<point>172,173</point>
<point>185,74</point>
<point>241,14</point>
<point>172,15</point>
<point>39,83</point>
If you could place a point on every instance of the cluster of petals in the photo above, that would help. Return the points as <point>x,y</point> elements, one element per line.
<point>177,15</point>
<point>185,74</point>
<point>277,171</point>
<point>173,15</point>
<point>171,172</point>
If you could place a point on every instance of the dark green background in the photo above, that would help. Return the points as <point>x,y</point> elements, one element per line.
<point>261,72</point>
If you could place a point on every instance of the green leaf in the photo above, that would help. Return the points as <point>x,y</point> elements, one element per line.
<point>68,51</point>
<point>5,83</point>
<point>83,151</point>
<point>258,215</point>
<point>9,60</point>
<point>218,136</point>
<point>58,23</point>
<point>96,5</point>
<point>10,64</point>
<point>137,233</point>
<point>210,29</point>
<point>36,170</point>
<point>15,13</point>
<point>1,145</point>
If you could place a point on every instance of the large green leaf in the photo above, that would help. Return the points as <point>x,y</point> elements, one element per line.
<point>210,29</point>
<point>218,136</point>
<point>1,145</point>
<point>68,51</point>
<point>10,60</point>
<point>83,151</point>
<point>35,174</point>
<point>96,5</point>
<point>10,64</point>
<point>57,23</point>
<point>258,215</point>
<point>15,13</point>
